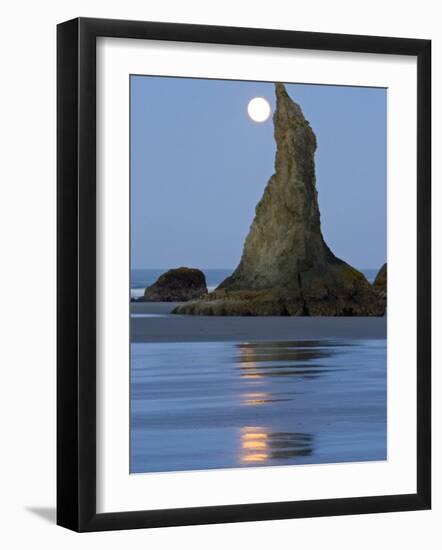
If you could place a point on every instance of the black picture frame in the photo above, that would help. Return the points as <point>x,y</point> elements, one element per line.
<point>76,273</point>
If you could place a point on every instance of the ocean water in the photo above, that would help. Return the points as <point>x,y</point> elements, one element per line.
<point>141,278</point>
<point>202,405</point>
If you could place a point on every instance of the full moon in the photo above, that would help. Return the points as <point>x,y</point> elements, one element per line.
<point>259,109</point>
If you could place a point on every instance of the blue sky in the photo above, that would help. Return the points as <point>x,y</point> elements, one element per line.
<point>199,165</point>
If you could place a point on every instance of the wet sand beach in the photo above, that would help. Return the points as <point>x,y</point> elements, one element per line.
<point>152,322</point>
<point>223,392</point>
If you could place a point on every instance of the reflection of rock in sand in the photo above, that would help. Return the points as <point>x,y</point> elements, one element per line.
<point>269,359</point>
<point>260,445</point>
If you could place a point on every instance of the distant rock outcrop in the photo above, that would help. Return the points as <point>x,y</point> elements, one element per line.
<point>380,282</point>
<point>286,267</point>
<point>177,285</point>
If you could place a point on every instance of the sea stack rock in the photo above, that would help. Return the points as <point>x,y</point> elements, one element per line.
<point>177,285</point>
<point>286,267</point>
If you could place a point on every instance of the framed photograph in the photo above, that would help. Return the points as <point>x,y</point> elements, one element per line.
<point>230,201</point>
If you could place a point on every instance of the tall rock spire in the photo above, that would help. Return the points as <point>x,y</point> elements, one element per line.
<point>286,267</point>
<point>285,237</point>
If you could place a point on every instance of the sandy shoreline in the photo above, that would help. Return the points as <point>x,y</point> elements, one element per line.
<point>188,328</point>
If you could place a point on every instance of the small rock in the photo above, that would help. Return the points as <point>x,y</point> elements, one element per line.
<point>177,285</point>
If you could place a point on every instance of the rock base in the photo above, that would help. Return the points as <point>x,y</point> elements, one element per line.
<point>351,295</point>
